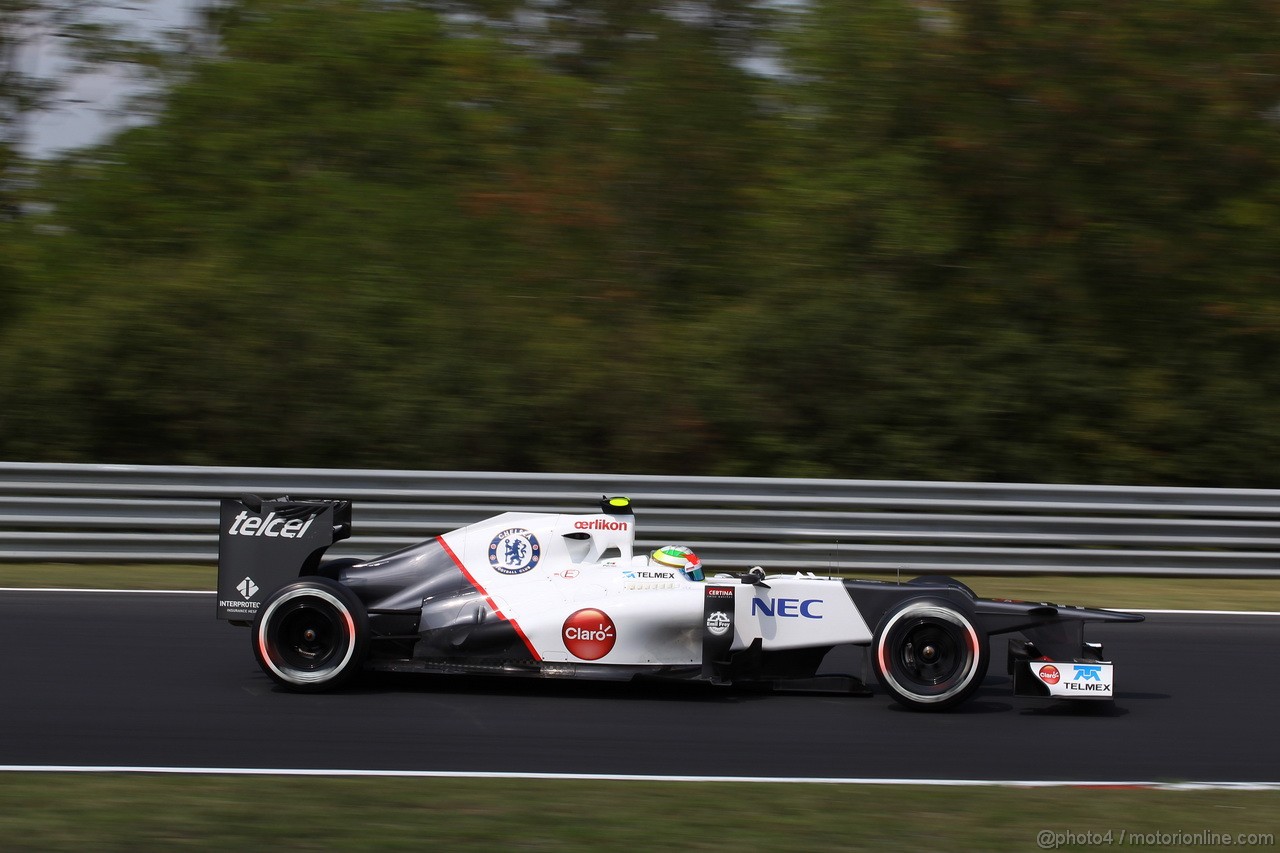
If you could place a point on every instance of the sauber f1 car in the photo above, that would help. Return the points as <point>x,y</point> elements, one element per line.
<point>566,596</point>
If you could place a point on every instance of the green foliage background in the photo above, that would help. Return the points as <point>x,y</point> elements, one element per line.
<point>990,240</point>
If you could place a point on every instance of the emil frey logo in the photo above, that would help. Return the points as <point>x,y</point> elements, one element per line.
<point>247,588</point>
<point>719,623</point>
<point>1049,674</point>
<point>589,634</point>
<point>514,551</point>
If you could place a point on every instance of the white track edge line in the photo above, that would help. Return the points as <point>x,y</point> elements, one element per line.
<point>1202,612</point>
<point>628,777</point>
<point>213,592</point>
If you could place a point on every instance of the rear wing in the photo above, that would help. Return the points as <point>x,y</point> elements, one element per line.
<point>264,544</point>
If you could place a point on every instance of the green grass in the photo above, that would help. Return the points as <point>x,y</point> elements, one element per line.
<point>104,576</point>
<point>1115,592</point>
<point>128,812</point>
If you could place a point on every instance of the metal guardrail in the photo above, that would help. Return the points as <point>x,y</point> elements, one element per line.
<point>134,513</point>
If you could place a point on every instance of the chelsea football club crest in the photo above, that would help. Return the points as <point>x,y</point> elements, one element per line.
<point>514,551</point>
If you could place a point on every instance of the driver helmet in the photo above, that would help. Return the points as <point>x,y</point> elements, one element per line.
<point>680,558</point>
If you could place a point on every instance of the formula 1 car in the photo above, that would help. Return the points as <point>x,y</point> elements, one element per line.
<point>565,596</point>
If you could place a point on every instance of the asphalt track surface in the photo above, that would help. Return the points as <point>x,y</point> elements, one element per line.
<point>128,679</point>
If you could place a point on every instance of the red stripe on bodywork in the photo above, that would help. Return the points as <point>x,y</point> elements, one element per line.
<point>488,600</point>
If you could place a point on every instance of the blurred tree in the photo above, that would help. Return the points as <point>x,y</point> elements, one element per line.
<point>432,240</point>
<point>675,123</point>
<point>1026,221</point>
<point>990,240</point>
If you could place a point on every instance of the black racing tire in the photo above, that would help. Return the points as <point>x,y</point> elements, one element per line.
<point>311,635</point>
<point>930,654</point>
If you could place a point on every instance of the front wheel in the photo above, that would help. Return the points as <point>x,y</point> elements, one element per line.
<point>311,635</point>
<point>929,655</point>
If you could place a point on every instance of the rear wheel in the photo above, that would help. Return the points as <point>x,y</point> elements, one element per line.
<point>929,655</point>
<point>311,635</point>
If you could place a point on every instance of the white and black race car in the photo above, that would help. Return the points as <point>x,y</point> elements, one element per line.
<point>565,596</point>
